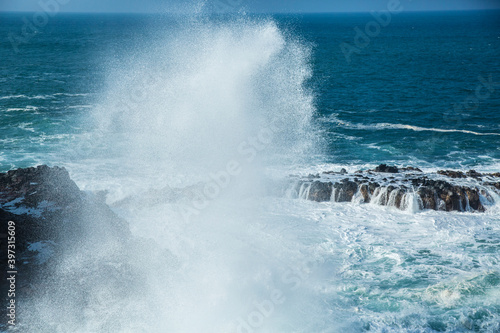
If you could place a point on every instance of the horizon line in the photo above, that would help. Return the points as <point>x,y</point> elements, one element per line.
<point>255,12</point>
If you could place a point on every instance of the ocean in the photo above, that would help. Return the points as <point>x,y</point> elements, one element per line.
<point>136,104</point>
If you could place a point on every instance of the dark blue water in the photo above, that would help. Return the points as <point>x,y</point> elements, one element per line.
<point>421,70</point>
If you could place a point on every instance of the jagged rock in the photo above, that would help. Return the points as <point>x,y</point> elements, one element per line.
<point>410,169</point>
<point>386,168</point>
<point>452,174</point>
<point>391,169</point>
<point>51,212</point>
<point>364,190</point>
<point>320,191</point>
<point>428,196</point>
<point>345,190</point>
<point>372,187</point>
<point>496,185</point>
<point>38,184</point>
<point>474,199</point>
<point>473,174</point>
<point>399,197</point>
<point>341,172</point>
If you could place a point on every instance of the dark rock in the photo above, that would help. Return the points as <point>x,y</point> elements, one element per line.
<point>496,185</point>
<point>410,169</point>
<point>497,175</point>
<point>38,184</point>
<point>452,174</point>
<point>372,187</point>
<point>473,174</point>
<point>399,197</point>
<point>365,192</point>
<point>436,194</point>
<point>474,199</point>
<point>320,191</point>
<point>345,190</point>
<point>386,168</point>
<point>48,208</point>
<point>428,196</point>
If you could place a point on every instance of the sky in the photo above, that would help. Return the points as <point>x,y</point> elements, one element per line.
<point>301,6</point>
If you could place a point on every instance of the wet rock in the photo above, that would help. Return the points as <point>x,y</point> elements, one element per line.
<point>345,190</point>
<point>372,186</point>
<point>410,169</point>
<point>49,211</point>
<point>433,192</point>
<point>399,197</point>
<point>386,168</point>
<point>473,174</point>
<point>428,196</point>
<point>497,174</point>
<point>496,185</point>
<point>320,191</point>
<point>35,185</point>
<point>452,174</point>
<point>474,200</point>
<point>365,192</point>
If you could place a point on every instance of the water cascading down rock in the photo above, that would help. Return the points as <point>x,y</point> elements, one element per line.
<point>404,188</point>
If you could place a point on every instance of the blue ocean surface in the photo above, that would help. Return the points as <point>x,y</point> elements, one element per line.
<point>132,104</point>
<point>409,96</point>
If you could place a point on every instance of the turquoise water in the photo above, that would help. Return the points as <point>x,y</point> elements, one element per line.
<point>135,104</point>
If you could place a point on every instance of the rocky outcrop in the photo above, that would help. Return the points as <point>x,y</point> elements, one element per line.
<point>50,215</point>
<point>391,169</point>
<point>34,185</point>
<point>404,188</point>
<point>320,191</point>
<point>470,173</point>
<point>386,168</point>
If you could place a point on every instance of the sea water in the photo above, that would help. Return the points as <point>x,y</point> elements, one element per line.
<point>143,106</point>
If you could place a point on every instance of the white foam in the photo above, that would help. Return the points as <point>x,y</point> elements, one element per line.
<point>26,127</point>
<point>381,126</point>
<point>419,129</point>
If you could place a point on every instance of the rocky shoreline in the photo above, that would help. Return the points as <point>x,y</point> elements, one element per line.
<point>404,188</point>
<point>49,214</point>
